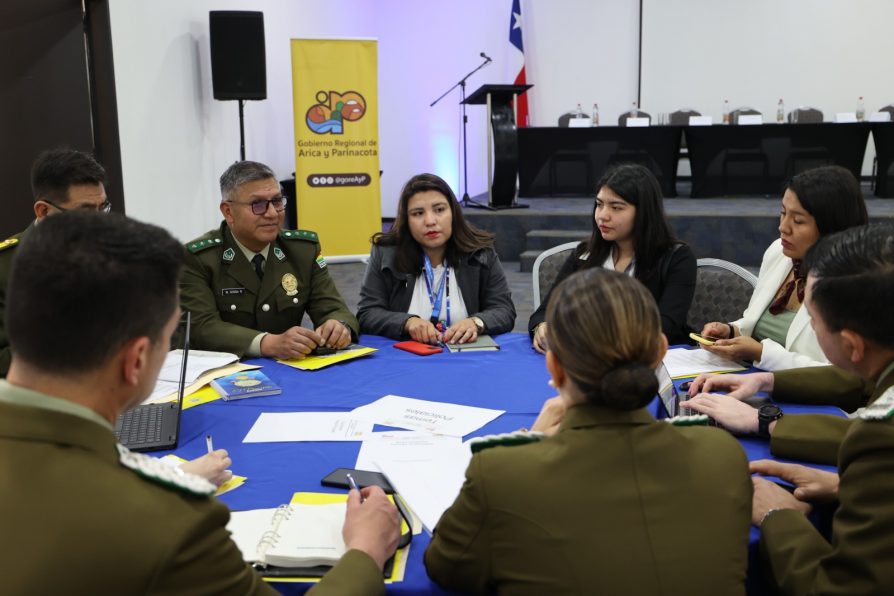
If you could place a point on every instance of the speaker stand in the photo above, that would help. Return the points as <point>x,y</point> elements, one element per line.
<point>241,131</point>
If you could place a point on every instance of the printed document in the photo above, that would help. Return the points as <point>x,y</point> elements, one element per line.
<point>430,416</point>
<point>308,426</point>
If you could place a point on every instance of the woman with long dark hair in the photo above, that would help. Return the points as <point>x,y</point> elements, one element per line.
<point>632,235</point>
<point>775,331</point>
<point>433,276</point>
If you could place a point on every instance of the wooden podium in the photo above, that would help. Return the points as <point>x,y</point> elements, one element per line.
<point>502,142</point>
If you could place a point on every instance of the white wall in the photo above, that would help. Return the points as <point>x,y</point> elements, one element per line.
<point>176,139</point>
<point>818,53</point>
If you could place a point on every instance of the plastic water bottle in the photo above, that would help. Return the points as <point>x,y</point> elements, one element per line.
<point>580,112</point>
<point>726,111</point>
<point>633,111</point>
<point>861,110</point>
<point>595,114</point>
<point>780,112</point>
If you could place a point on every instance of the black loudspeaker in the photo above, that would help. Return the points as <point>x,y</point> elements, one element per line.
<point>238,61</point>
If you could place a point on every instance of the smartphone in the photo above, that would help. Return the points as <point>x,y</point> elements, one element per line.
<point>708,341</point>
<point>322,351</point>
<point>418,348</point>
<point>363,478</point>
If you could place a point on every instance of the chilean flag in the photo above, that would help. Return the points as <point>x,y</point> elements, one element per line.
<point>515,38</point>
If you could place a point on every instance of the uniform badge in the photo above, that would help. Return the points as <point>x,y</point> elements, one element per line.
<point>279,254</point>
<point>229,254</point>
<point>8,242</point>
<point>321,262</point>
<point>290,284</point>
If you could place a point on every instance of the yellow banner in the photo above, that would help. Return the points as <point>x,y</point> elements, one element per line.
<point>335,98</point>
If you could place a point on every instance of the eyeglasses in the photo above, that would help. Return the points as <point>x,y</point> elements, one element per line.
<point>260,206</point>
<point>104,207</point>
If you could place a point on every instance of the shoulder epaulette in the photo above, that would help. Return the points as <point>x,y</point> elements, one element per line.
<point>299,235</point>
<point>155,470</point>
<point>8,243</point>
<point>518,437</point>
<point>690,420</point>
<point>200,245</point>
<point>880,409</point>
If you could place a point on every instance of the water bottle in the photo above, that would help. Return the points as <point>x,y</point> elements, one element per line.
<point>780,112</point>
<point>579,113</point>
<point>861,110</point>
<point>595,114</point>
<point>726,111</point>
<point>633,111</point>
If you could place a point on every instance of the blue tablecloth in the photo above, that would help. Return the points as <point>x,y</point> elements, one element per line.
<point>513,379</point>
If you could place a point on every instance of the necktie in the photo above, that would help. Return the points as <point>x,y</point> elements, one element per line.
<point>258,263</point>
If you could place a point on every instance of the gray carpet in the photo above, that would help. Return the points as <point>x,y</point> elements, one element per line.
<point>349,276</point>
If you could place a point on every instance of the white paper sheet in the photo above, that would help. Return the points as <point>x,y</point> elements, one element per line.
<point>430,416</point>
<point>307,426</point>
<point>402,446</point>
<point>198,363</point>
<point>681,362</point>
<point>429,488</point>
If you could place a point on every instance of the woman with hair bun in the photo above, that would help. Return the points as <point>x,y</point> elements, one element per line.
<point>604,499</point>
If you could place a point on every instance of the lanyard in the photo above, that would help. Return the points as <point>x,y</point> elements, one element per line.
<point>435,298</point>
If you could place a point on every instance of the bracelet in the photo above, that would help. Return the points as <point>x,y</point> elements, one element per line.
<point>767,514</point>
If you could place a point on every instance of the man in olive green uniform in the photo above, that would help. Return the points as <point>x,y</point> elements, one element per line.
<point>249,283</point>
<point>83,515</point>
<point>850,290</point>
<point>61,180</point>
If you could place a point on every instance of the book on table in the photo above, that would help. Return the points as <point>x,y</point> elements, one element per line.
<point>484,343</point>
<point>246,383</point>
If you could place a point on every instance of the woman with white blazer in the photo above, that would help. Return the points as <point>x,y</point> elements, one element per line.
<point>775,331</point>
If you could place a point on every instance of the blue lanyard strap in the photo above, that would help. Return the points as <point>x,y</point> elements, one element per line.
<point>436,298</point>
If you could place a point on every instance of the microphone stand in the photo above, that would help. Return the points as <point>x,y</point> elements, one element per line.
<point>466,200</point>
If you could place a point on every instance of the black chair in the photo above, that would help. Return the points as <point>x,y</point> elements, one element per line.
<point>576,162</point>
<point>622,119</point>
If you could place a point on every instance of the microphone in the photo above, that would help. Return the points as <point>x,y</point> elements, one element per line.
<point>486,57</point>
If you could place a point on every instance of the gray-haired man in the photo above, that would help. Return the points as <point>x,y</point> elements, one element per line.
<point>249,282</point>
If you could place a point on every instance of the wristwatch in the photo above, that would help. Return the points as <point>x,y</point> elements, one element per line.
<point>479,324</point>
<point>765,415</point>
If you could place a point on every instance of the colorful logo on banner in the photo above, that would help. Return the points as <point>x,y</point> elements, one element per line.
<point>332,110</point>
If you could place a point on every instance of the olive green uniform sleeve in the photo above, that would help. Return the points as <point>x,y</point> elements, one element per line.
<point>821,385</point>
<point>809,437</point>
<point>458,556</point>
<point>858,560</point>
<point>325,302</point>
<point>355,574</point>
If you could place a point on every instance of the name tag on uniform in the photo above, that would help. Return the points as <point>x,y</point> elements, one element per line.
<point>232,291</point>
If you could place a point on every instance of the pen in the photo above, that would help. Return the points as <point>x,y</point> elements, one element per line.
<point>209,443</point>
<point>353,484</point>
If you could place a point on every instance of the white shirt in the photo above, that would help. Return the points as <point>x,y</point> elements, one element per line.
<point>610,263</point>
<point>420,303</point>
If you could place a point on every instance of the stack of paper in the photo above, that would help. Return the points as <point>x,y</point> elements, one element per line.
<point>682,363</point>
<point>201,368</point>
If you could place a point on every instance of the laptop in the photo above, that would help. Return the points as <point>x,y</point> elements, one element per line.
<point>154,427</point>
<point>668,395</point>
<point>670,398</point>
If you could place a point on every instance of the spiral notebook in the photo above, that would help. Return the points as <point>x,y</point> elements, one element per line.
<point>293,536</point>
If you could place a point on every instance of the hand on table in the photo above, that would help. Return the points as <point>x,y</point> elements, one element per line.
<point>539,341</point>
<point>334,334</point>
<point>737,386</point>
<point>214,467</point>
<point>422,331</point>
<point>811,484</point>
<point>372,526</point>
<point>729,412</point>
<point>551,415</point>
<point>293,343</point>
<point>743,347</point>
<point>461,332</point>
<point>769,495</point>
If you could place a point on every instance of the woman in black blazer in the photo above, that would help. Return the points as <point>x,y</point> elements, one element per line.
<point>632,235</point>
